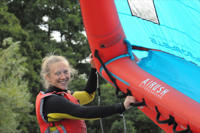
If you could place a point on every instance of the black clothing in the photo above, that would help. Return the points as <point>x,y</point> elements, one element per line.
<point>59,104</point>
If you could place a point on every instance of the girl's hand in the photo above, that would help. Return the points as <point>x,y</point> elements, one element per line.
<point>92,61</point>
<point>128,101</point>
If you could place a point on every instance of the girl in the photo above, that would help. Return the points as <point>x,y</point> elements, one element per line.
<point>58,111</point>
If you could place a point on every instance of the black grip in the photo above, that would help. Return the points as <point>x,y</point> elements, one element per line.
<point>139,103</point>
<point>167,121</point>
<point>181,131</point>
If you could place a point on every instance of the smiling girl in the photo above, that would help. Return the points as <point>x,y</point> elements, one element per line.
<point>59,111</point>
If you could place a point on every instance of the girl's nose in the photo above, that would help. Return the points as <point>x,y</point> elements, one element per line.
<point>62,76</point>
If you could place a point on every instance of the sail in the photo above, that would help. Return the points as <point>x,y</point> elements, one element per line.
<point>166,77</point>
<point>172,26</point>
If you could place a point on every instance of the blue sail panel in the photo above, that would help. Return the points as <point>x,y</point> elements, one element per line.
<point>177,31</point>
<point>172,26</point>
<point>175,71</point>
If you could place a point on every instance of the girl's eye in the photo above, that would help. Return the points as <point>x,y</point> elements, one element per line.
<point>58,73</point>
<point>65,72</point>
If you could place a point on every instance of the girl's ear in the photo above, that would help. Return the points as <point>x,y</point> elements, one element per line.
<point>47,77</point>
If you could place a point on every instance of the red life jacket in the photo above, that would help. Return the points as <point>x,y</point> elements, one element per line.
<point>63,126</point>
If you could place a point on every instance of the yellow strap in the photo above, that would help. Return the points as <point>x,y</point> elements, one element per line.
<point>52,129</point>
<point>59,116</point>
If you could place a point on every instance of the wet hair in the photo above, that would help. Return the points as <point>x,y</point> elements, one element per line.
<point>45,67</point>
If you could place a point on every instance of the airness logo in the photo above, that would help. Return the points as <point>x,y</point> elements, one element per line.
<point>154,88</point>
<point>144,9</point>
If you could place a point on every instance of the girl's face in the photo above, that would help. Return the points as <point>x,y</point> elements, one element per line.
<point>59,74</point>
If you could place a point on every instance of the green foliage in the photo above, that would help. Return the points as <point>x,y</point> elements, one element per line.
<point>78,82</point>
<point>9,25</point>
<point>117,127</point>
<point>14,96</point>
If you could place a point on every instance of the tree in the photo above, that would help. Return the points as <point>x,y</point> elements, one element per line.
<point>14,96</point>
<point>63,16</point>
<point>117,127</point>
<point>9,25</point>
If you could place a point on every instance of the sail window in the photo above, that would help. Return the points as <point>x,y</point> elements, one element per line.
<point>144,9</point>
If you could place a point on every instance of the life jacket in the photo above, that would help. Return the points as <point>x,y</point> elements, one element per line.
<point>62,126</point>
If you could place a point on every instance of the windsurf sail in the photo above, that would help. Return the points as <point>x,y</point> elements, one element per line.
<point>166,77</point>
<point>171,26</point>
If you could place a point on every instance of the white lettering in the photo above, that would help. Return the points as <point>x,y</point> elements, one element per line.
<point>160,89</point>
<point>164,92</point>
<point>143,83</point>
<point>147,85</point>
<point>154,88</point>
<point>151,85</point>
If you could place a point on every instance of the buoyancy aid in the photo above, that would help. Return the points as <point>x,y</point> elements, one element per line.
<point>62,126</point>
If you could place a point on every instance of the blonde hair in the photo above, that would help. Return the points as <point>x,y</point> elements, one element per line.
<point>45,67</point>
